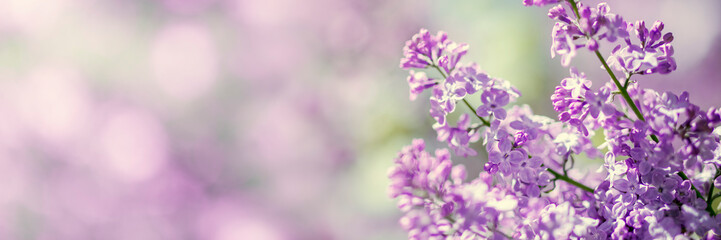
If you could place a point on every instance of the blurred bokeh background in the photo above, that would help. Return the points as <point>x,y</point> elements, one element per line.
<point>255,119</point>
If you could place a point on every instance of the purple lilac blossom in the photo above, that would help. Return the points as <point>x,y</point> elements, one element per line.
<point>437,207</point>
<point>645,192</point>
<point>571,33</point>
<point>422,49</point>
<point>459,137</point>
<point>558,222</point>
<point>493,103</point>
<point>575,101</point>
<point>654,53</point>
<point>425,50</point>
<point>418,82</point>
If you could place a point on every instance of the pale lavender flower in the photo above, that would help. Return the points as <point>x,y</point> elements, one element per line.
<point>562,43</point>
<point>506,158</point>
<point>654,54</point>
<point>597,102</point>
<point>644,194</point>
<point>455,52</point>
<point>459,137</point>
<point>558,221</point>
<point>418,82</point>
<point>614,24</point>
<point>492,102</point>
<point>422,50</point>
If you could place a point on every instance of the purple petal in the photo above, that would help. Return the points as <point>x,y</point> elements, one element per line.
<point>495,157</point>
<point>518,125</point>
<point>504,145</point>
<point>505,168</point>
<point>516,157</point>
<point>621,185</point>
<point>502,99</point>
<point>483,111</point>
<point>499,113</point>
<point>608,109</point>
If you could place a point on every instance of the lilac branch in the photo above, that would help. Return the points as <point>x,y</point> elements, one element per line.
<point>569,180</point>
<point>631,104</point>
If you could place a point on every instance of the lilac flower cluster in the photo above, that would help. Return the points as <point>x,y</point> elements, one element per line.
<point>654,53</point>
<point>456,82</point>
<point>438,204</point>
<point>661,152</point>
<point>558,222</point>
<point>649,184</point>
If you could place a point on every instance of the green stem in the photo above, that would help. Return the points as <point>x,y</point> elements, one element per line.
<point>633,107</point>
<point>569,180</point>
<point>709,200</point>
<point>575,8</point>
<point>620,87</point>
<point>625,85</point>
<point>440,71</point>
<point>474,113</point>
<point>715,197</point>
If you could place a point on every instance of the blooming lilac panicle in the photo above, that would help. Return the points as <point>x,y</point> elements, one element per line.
<point>584,30</point>
<point>442,54</point>
<point>662,163</point>
<point>569,93</point>
<point>654,53</point>
<point>575,101</point>
<point>422,49</point>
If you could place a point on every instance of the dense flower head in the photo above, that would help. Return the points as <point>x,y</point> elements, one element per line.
<point>438,204</point>
<point>584,29</point>
<point>661,153</point>
<point>424,50</point>
<point>558,222</point>
<point>653,53</point>
<point>458,81</point>
<point>524,145</point>
<point>582,107</point>
<point>417,170</point>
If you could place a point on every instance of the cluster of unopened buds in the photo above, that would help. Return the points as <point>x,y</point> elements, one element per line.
<point>661,152</point>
